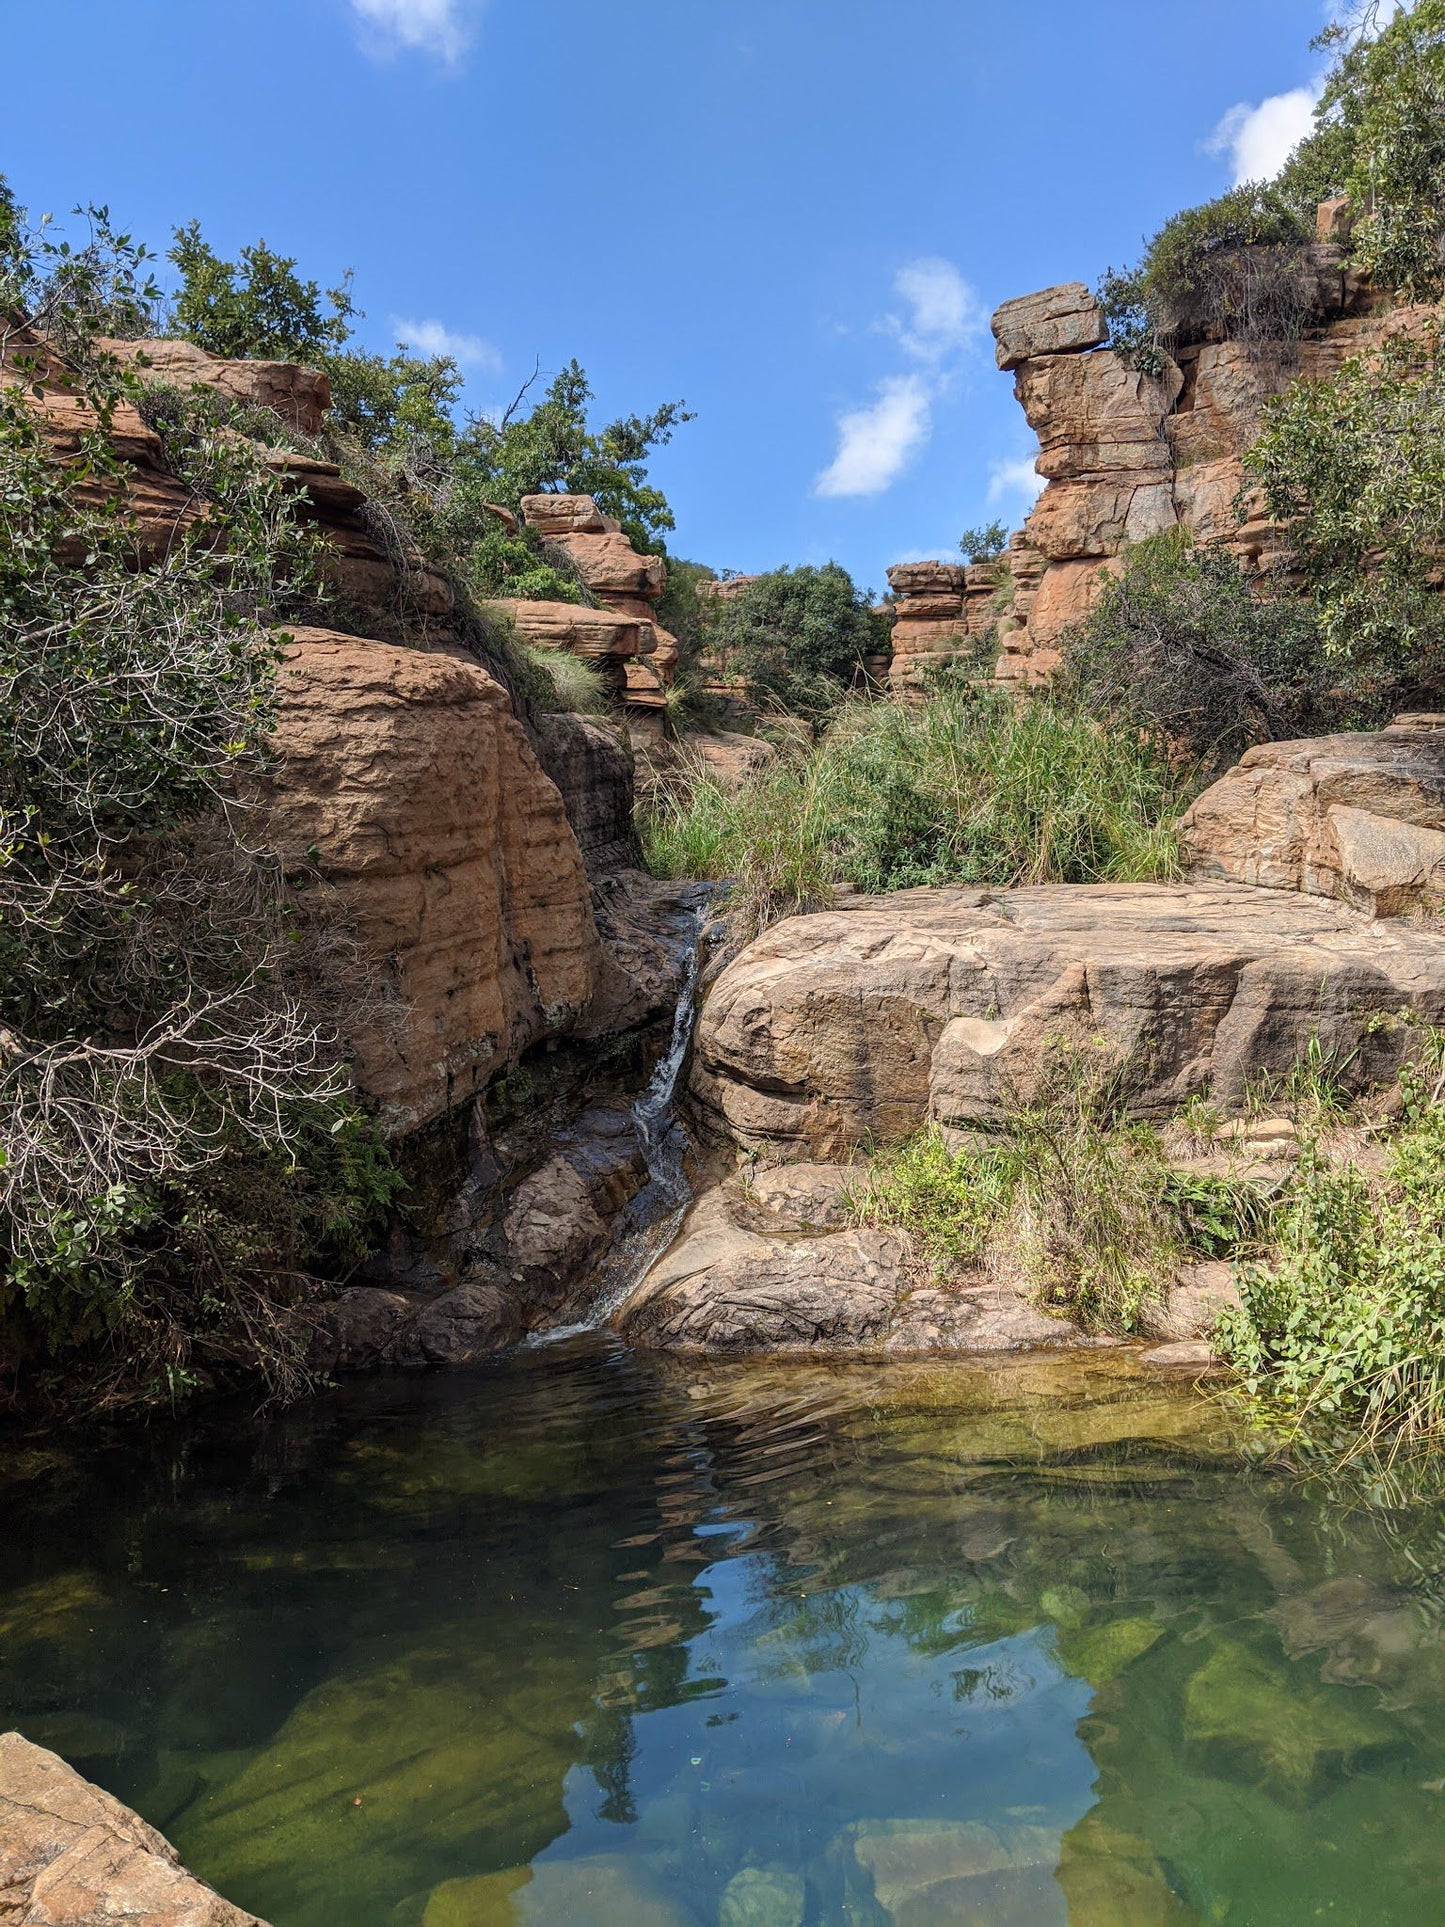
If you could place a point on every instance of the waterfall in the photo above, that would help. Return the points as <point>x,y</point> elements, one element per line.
<point>647,1226</point>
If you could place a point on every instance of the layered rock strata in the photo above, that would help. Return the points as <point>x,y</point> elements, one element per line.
<point>929,624</point>
<point>867,1022</point>
<point>368,578</point>
<point>407,782</point>
<point>1359,818</point>
<point>621,579</point>
<point>1127,454</point>
<point>72,1856</point>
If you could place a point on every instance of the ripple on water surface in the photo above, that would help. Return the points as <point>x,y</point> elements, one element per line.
<point>588,1638</point>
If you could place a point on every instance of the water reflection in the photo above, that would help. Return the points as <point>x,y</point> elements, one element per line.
<point>592,1638</point>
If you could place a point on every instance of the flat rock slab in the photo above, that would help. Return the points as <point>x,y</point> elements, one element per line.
<point>770,1265</point>
<point>1358,817</point>
<point>864,1022</point>
<point>72,1856</point>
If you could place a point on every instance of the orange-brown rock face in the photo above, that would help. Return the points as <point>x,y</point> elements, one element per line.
<point>412,786</point>
<point>299,396</point>
<point>621,579</point>
<point>356,568</point>
<point>1126,455</point>
<point>930,627</point>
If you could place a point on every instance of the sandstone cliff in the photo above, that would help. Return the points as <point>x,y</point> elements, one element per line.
<point>1126,454</point>
<point>408,786</point>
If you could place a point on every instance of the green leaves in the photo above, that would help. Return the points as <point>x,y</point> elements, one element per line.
<point>1354,468</point>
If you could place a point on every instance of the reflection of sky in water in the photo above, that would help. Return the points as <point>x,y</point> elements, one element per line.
<point>595,1639</point>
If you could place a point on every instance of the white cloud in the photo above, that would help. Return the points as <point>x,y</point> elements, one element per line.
<point>1016,476</point>
<point>1259,140</point>
<point>440,27</point>
<point>944,312</point>
<point>874,443</point>
<point>433,338</point>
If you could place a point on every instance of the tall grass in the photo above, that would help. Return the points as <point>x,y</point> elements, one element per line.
<point>1069,1200</point>
<point>968,787</point>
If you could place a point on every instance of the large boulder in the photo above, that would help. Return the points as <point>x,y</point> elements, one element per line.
<point>1054,321</point>
<point>407,782</point>
<point>772,1264</point>
<point>72,1856</point>
<point>865,1022</point>
<point>1357,817</point>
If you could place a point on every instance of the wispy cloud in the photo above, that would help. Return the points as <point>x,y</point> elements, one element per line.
<point>1258,140</point>
<point>443,28</point>
<point>944,314</point>
<point>1013,478</point>
<point>939,319</point>
<point>435,338</point>
<point>874,443</point>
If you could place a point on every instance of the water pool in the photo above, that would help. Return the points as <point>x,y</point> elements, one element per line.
<point>594,1638</point>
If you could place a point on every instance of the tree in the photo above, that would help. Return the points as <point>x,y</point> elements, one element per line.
<point>1354,468</point>
<point>551,447</point>
<point>181,1145</point>
<point>258,309</point>
<point>984,544</point>
<point>1383,108</point>
<point>797,637</point>
<point>1189,647</point>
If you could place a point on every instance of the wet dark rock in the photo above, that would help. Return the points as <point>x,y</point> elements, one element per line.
<point>558,1221</point>
<point>471,1322</point>
<point>589,761</point>
<point>358,1329</point>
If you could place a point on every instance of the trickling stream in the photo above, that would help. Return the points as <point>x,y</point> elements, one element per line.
<point>647,1226</point>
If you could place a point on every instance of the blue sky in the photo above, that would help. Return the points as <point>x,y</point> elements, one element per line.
<point>797,214</point>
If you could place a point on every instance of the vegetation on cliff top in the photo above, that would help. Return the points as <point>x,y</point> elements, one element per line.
<point>1237,266</point>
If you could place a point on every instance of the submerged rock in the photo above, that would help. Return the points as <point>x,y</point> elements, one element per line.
<point>72,1856</point>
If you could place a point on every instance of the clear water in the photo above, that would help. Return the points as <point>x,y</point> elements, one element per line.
<point>588,1638</point>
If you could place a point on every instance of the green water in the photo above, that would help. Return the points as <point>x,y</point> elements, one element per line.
<point>589,1638</point>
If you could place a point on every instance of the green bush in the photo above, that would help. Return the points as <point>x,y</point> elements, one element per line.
<point>1340,1337</point>
<point>1354,468</point>
<point>183,1154</point>
<point>964,788</point>
<point>1383,115</point>
<point>1235,268</point>
<point>1184,642</point>
<point>796,638</point>
<point>1069,1199</point>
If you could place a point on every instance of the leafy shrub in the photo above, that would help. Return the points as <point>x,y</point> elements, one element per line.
<point>1340,1336</point>
<point>1186,643</point>
<point>1354,467</point>
<point>796,637</point>
<point>1235,268</point>
<point>1382,114</point>
<point>182,1150</point>
<point>256,308</point>
<point>965,788</point>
